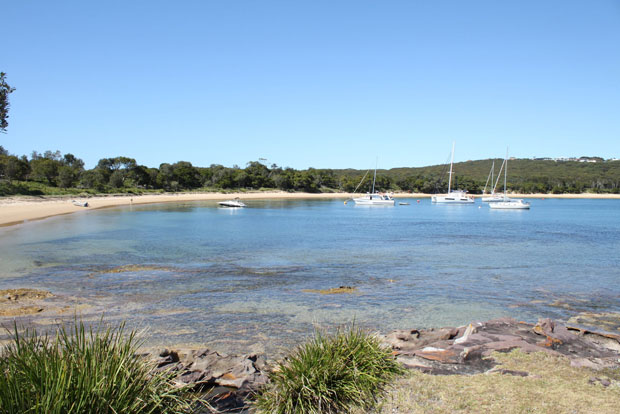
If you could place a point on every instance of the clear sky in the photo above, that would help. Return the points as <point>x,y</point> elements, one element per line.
<point>327,84</point>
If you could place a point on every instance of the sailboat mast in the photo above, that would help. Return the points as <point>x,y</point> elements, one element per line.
<point>451,162</point>
<point>505,171</point>
<point>490,177</point>
<point>499,175</point>
<point>375,177</point>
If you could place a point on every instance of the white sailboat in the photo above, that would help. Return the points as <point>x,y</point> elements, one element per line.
<point>493,197</point>
<point>373,198</point>
<point>453,196</point>
<point>509,203</point>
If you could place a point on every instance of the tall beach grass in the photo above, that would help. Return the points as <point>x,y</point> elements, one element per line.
<point>330,374</point>
<point>80,370</point>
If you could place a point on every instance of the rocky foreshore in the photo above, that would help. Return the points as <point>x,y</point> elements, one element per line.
<point>226,381</point>
<point>229,381</point>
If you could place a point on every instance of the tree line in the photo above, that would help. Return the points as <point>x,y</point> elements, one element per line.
<point>40,172</point>
<point>54,169</point>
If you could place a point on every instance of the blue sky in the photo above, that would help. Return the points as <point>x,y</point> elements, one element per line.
<point>327,84</point>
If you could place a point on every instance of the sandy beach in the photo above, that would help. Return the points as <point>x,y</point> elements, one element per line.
<point>17,210</point>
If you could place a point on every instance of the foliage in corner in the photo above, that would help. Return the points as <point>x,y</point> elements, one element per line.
<point>79,371</point>
<point>5,90</point>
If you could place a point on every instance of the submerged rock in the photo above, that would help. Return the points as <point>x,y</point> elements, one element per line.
<point>333,291</point>
<point>23,301</point>
<point>609,321</point>
<point>130,268</point>
<point>21,311</point>
<point>13,295</point>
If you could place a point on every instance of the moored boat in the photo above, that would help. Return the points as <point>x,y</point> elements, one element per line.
<point>508,203</point>
<point>373,198</point>
<point>453,196</point>
<point>492,197</point>
<point>235,203</point>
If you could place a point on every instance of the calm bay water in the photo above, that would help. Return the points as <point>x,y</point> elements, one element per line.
<point>237,279</point>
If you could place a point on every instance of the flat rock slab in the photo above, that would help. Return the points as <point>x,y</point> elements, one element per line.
<point>227,379</point>
<point>469,349</point>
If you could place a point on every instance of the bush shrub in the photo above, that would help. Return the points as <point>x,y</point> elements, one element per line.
<point>81,370</point>
<point>330,374</point>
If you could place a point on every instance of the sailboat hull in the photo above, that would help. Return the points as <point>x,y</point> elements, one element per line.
<point>454,197</point>
<point>374,200</point>
<point>492,199</point>
<point>510,205</point>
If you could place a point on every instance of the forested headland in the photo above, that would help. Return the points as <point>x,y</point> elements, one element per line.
<point>53,173</point>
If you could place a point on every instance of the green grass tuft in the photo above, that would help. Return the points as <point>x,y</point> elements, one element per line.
<point>82,370</point>
<point>330,374</point>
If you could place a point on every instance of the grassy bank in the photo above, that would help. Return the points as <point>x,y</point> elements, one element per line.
<point>552,386</point>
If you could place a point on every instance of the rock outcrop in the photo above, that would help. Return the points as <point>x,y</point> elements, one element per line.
<point>468,349</point>
<point>226,381</point>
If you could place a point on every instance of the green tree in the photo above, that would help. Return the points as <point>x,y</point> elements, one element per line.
<point>257,175</point>
<point>72,161</point>
<point>108,166</point>
<point>140,176</point>
<point>13,168</point>
<point>305,181</point>
<point>92,179</point>
<point>67,176</point>
<point>117,179</point>
<point>284,179</point>
<point>186,175</point>
<point>165,176</point>
<point>5,91</point>
<point>222,177</point>
<point>45,170</point>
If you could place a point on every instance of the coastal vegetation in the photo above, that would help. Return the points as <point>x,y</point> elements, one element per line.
<point>79,370</point>
<point>330,374</point>
<point>52,173</point>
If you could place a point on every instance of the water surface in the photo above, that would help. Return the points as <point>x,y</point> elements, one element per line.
<point>237,279</point>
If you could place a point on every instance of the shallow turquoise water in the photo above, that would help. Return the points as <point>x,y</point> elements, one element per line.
<point>235,279</point>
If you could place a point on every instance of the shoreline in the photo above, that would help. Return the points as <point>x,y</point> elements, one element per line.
<point>20,209</point>
<point>527,354</point>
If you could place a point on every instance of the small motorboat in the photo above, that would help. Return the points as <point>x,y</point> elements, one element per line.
<point>403,204</point>
<point>80,203</point>
<point>235,203</point>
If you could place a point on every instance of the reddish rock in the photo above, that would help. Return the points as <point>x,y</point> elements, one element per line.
<point>468,349</point>
<point>229,378</point>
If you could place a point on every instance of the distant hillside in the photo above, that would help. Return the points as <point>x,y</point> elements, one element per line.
<point>524,175</point>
